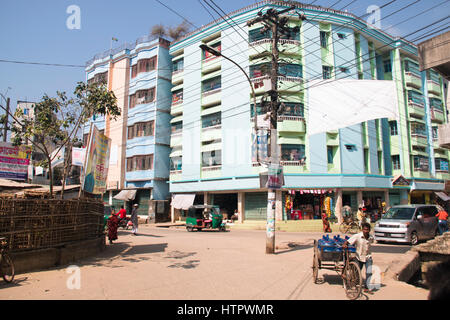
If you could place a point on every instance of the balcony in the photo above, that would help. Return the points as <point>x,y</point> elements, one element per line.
<point>211,64</point>
<point>434,87</point>
<point>211,97</point>
<point>285,84</point>
<point>175,175</point>
<point>444,136</point>
<point>291,124</point>
<point>260,47</point>
<point>211,172</point>
<point>437,115</point>
<point>176,139</point>
<point>333,139</point>
<point>413,80</point>
<point>416,109</point>
<point>177,77</point>
<point>211,133</point>
<point>419,140</point>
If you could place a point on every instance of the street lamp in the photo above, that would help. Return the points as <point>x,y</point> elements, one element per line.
<point>219,54</point>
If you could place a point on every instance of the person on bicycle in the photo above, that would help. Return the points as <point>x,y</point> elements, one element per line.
<point>362,241</point>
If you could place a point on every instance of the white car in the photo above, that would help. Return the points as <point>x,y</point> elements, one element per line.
<point>408,224</point>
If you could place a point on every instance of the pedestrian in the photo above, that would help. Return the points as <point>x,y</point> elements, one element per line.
<point>362,241</point>
<point>442,216</point>
<point>113,225</point>
<point>360,216</point>
<point>325,222</point>
<point>135,219</point>
<point>235,216</point>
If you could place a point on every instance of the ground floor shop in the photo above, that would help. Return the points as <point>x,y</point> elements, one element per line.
<point>155,211</point>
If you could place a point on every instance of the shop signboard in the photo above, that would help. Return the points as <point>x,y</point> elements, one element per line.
<point>275,177</point>
<point>14,161</point>
<point>400,181</point>
<point>78,155</point>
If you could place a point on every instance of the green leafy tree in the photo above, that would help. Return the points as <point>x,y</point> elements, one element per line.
<point>57,121</point>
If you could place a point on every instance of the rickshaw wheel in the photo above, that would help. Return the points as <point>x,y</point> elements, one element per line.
<point>315,263</point>
<point>189,228</point>
<point>353,283</point>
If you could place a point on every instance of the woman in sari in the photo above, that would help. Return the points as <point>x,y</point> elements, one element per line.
<point>325,222</point>
<point>113,225</point>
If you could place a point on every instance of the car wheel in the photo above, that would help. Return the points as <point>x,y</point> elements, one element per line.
<point>414,238</point>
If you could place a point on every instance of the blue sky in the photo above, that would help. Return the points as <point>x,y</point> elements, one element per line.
<point>36,31</point>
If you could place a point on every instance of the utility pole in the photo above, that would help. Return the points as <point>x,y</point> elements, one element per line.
<point>5,129</point>
<point>272,21</point>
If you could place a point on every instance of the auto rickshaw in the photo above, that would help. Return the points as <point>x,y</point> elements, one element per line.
<point>204,217</point>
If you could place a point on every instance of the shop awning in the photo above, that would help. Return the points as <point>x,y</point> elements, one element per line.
<point>430,186</point>
<point>183,201</point>
<point>443,196</point>
<point>125,195</point>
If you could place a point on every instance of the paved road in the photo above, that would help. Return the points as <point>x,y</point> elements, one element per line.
<point>172,264</point>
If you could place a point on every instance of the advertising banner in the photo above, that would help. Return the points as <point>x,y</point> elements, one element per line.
<point>97,162</point>
<point>78,156</point>
<point>57,156</point>
<point>260,146</point>
<point>14,161</point>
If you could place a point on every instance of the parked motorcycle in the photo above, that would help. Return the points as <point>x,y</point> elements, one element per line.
<point>125,223</point>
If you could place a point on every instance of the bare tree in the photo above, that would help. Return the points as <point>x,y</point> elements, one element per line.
<point>158,31</point>
<point>179,31</point>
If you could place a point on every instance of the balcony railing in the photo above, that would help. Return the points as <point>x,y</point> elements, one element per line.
<point>290,118</point>
<point>212,168</point>
<point>298,163</point>
<point>211,92</point>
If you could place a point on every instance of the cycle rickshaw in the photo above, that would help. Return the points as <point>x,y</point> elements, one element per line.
<point>335,257</point>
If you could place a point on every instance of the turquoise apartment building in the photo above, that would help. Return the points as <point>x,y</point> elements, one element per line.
<point>212,117</point>
<point>140,76</point>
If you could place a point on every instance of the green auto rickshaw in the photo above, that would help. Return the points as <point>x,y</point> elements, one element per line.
<point>204,217</point>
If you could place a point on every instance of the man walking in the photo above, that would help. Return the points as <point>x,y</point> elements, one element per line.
<point>362,242</point>
<point>135,219</point>
<point>442,216</point>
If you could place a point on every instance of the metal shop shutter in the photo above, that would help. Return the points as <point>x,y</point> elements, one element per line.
<point>256,206</point>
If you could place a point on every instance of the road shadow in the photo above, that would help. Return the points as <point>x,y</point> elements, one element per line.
<point>125,251</point>
<point>18,282</point>
<point>290,246</point>
<point>129,233</point>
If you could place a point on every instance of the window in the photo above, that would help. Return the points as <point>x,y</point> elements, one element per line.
<point>441,164</point>
<point>341,35</point>
<point>176,163</point>
<point>259,110</point>
<point>176,126</point>
<point>211,84</point>
<point>434,131</point>
<point>326,72</point>
<point>207,55</point>
<point>256,35</point>
<point>177,96</point>
<point>418,129</point>
<point>393,127</point>
<point>178,65</point>
<point>292,109</point>
<point>421,163</point>
<point>144,65</point>
<point>294,34</point>
<point>414,96</point>
<point>396,162</point>
<point>380,161</point>
<point>387,66</point>
<point>366,160</point>
<point>290,70</point>
<point>260,70</point>
<point>292,152</point>
<point>212,158</point>
<point>143,129</point>
<point>433,76</point>
<point>142,97</point>
<point>100,78</point>
<point>331,152</point>
<point>139,163</point>
<point>436,103</point>
<point>412,67</point>
<point>324,39</point>
<point>212,120</point>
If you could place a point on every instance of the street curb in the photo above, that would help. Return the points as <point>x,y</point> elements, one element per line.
<point>404,268</point>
